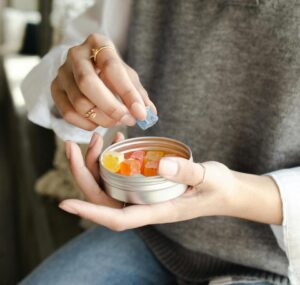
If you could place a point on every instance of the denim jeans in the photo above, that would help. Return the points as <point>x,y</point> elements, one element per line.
<point>103,257</point>
<point>100,256</point>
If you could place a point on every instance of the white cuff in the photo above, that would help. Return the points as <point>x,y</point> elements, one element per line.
<point>36,86</point>
<point>39,102</point>
<point>66,131</point>
<point>288,181</point>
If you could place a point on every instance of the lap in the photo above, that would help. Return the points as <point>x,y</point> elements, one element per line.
<point>101,256</point>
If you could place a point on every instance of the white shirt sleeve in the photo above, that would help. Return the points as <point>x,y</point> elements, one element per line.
<point>288,235</point>
<point>36,86</point>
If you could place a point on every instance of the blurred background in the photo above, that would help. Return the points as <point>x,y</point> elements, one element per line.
<point>31,225</point>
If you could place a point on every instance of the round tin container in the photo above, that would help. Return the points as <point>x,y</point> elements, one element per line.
<point>139,189</point>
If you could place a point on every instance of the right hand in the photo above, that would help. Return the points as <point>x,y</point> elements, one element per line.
<point>82,85</point>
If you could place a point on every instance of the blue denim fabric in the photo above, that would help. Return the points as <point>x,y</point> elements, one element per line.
<point>103,257</point>
<point>100,256</point>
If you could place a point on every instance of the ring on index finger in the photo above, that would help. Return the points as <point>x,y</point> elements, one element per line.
<point>96,51</point>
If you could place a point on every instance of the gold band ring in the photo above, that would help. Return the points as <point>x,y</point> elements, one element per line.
<point>90,114</point>
<point>96,51</point>
<point>203,175</point>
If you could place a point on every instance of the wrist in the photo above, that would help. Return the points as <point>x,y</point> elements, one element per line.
<point>220,186</point>
<point>256,198</point>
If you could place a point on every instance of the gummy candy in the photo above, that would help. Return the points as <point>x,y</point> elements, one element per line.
<point>138,155</point>
<point>111,160</point>
<point>150,168</point>
<point>154,155</point>
<point>130,167</point>
<point>150,120</point>
<point>127,155</point>
<point>136,162</point>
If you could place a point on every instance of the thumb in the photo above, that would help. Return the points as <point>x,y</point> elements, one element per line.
<point>181,170</point>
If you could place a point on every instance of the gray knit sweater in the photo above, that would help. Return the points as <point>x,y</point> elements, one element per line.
<point>225,76</point>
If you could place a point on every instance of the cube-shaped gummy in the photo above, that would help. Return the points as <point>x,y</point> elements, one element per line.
<point>130,167</point>
<point>154,155</point>
<point>150,168</point>
<point>111,160</point>
<point>138,155</point>
<point>150,120</point>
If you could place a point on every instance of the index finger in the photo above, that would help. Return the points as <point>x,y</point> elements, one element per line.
<point>92,155</point>
<point>115,76</point>
<point>85,180</point>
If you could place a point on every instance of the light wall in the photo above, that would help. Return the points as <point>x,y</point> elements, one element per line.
<point>27,5</point>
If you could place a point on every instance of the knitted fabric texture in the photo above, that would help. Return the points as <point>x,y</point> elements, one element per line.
<point>225,78</point>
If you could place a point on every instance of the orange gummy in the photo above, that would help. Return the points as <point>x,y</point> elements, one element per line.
<point>130,167</point>
<point>150,168</point>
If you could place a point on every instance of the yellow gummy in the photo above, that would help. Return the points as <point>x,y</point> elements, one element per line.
<point>111,160</point>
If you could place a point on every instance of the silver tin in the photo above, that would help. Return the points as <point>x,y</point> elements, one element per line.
<point>139,189</point>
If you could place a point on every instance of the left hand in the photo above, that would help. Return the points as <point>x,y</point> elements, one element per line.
<point>223,192</point>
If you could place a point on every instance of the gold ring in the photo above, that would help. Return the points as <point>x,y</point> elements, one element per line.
<point>203,176</point>
<point>91,114</point>
<point>96,51</point>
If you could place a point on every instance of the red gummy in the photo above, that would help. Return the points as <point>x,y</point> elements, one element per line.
<point>127,155</point>
<point>138,155</point>
<point>150,168</point>
<point>130,167</point>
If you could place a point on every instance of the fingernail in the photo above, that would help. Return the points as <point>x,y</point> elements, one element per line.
<point>68,149</point>
<point>139,110</point>
<point>153,108</point>
<point>168,167</point>
<point>68,208</point>
<point>127,119</point>
<point>93,140</point>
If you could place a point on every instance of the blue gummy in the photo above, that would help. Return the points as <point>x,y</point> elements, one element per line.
<point>150,120</point>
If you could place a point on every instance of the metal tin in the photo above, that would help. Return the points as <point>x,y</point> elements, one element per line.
<point>139,189</point>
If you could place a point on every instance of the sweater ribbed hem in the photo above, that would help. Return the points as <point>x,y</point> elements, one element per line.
<point>194,267</point>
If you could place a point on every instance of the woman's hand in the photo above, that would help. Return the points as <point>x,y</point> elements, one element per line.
<point>82,85</point>
<point>223,192</point>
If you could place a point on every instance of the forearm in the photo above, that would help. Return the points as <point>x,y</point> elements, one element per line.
<point>256,198</point>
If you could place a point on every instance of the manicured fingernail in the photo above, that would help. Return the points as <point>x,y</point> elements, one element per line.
<point>68,149</point>
<point>68,208</point>
<point>168,167</point>
<point>127,119</point>
<point>139,110</point>
<point>153,108</point>
<point>93,140</point>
